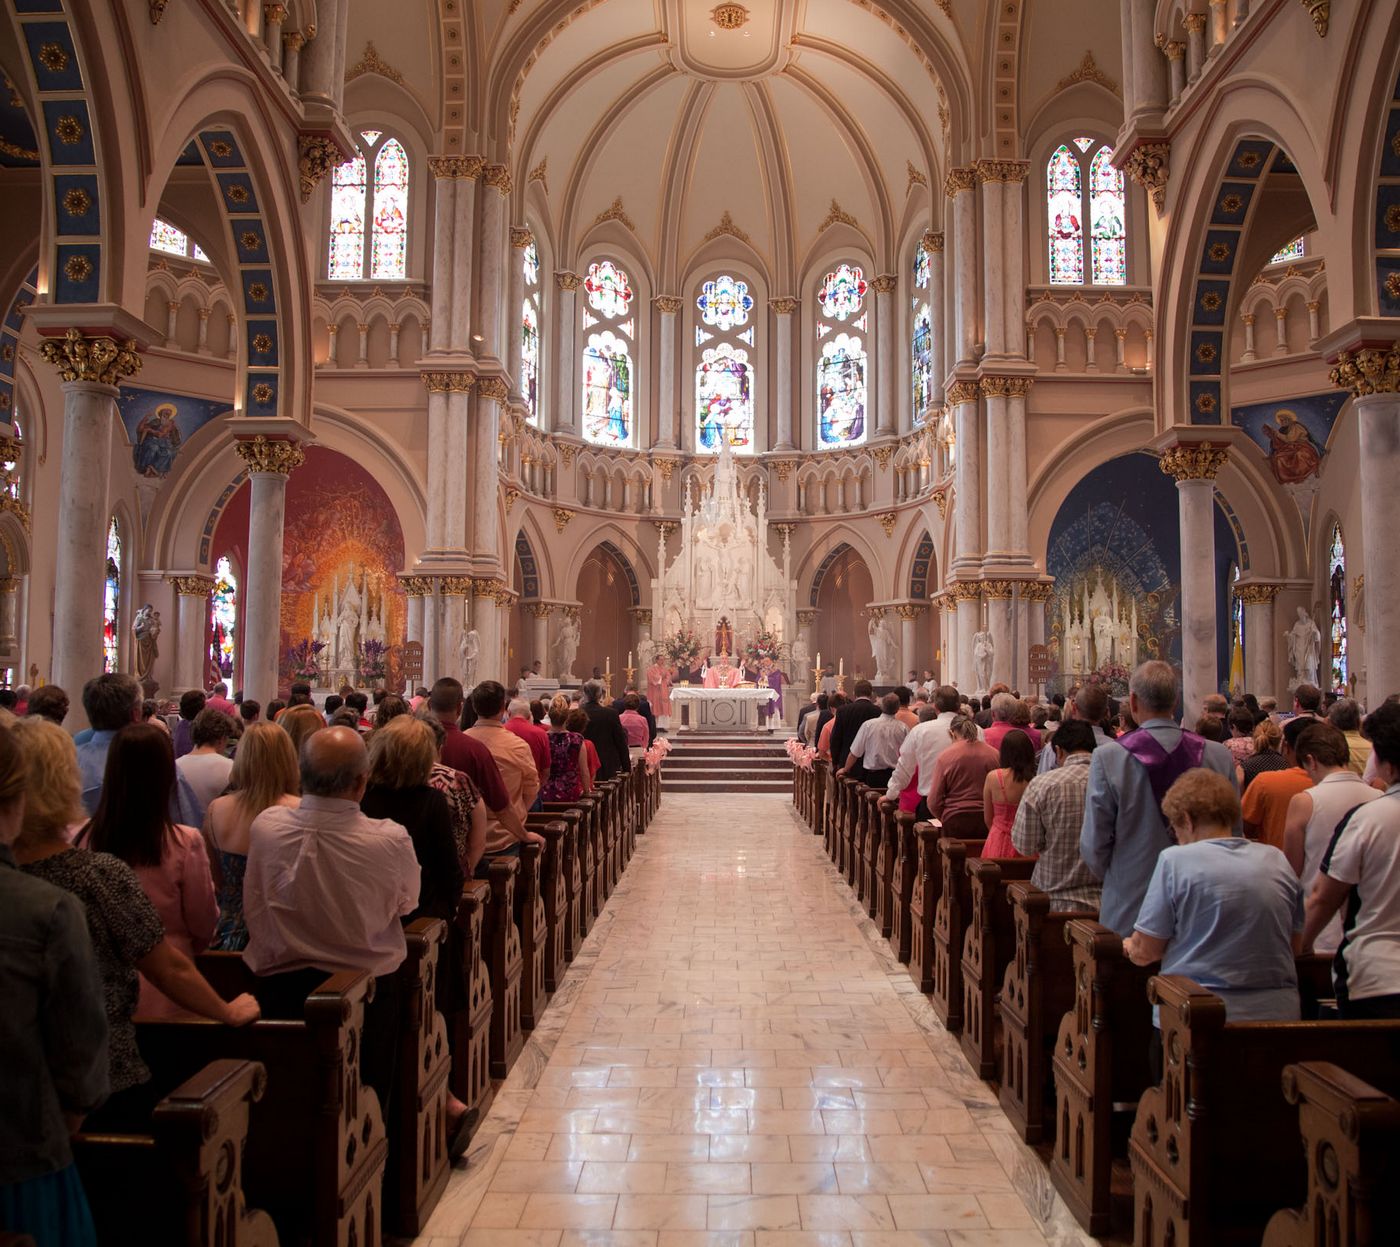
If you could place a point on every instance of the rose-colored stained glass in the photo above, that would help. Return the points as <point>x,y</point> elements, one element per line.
<point>842,291</point>
<point>531,264</point>
<point>223,610</point>
<point>1293,251</point>
<point>1337,593</point>
<point>1107,220</point>
<point>608,290</point>
<point>389,255</point>
<point>347,252</point>
<point>724,399</point>
<point>1063,206</point>
<point>922,352</point>
<point>920,267</point>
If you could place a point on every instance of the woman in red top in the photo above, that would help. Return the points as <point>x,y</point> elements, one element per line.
<point>959,777</point>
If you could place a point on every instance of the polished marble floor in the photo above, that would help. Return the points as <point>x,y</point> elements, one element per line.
<point>736,1060</point>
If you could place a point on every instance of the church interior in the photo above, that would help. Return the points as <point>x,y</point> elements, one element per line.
<point>1000,345</point>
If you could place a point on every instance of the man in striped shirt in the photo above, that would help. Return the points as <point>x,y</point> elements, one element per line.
<point>1050,817</point>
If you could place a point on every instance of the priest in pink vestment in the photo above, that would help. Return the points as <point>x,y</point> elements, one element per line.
<point>659,678</point>
<point>724,674</point>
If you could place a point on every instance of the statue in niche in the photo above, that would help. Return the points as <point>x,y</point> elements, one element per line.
<point>146,629</point>
<point>706,575</point>
<point>566,650</point>
<point>1103,640</point>
<point>801,658</point>
<point>347,623</point>
<point>884,649</point>
<point>468,651</point>
<point>1304,648</point>
<point>984,649</point>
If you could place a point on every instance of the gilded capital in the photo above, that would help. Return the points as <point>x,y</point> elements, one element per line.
<point>1194,22</point>
<point>783,468</point>
<point>498,178</point>
<point>1147,165</point>
<point>998,590</point>
<point>963,392</point>
<point>1257,594</point>
<point>562,516</point>
<point>959,180</point>
<point>1370,370</point>
<point>1006,387</point>
<point>884,283</point>
<point>415,586</point>
<point>99,360</point>
<point>521,236</point>
<point>493,388</point>
<point>278,456</point>
<point>192,586</point>
<point>1197,461</point>
<point>642,614</point>
<point>933,241</point>
<point>1002,170</point>
<point>540,610</point>
<point>887,521</point>
<point>447,382</point>
<point>806,618</point>
<point>909,611</point>
<point>668,304</point>
<point>940,500</point>
<point>784,305</point>
<point>965,591</point>
<point>568,281</point>
<point>317,155</point>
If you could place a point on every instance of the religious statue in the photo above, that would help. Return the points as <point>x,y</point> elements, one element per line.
<point>346,624</point>
<point>983,651</point>
<point>884,649</point>
<point>566,650</point>
<point>724,674</point>
<point>146,629</point>
<point>1103,640</point>
<point>1304,648</point>
<point>801,657</point>
<point>706,576</point>
<point>468,650</point>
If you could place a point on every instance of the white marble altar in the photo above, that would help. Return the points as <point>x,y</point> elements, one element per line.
<point>718,709</point>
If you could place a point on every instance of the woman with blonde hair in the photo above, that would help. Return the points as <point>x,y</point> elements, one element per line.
<point>299,722</point>
<point>1267,755</point>
<point>264,774</point>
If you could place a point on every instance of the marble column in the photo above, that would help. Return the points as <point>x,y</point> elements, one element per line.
<point>938,318</point>
<point>269,463</point>
<point>968,624</point>
<point>959,187</point>
<point>565,419</point>
<point>967,505</point>
<point>949,672</point>
<point>994,396</point>
<point>1175,51</point>
<point>292,43</point>
<point>993,259</point>
<point>192,629</point>
<point>202,345</point>
<point>1195,24</point>
<point>323,62</point>
<point>1012,176</point>
<point>486,324</point>
<point>9,615</point>
<point>459,457</point>
<point>1219,24</point>
<point>1017,494</point>
<point>489,405</point>
<point>273,17</point>
<point>172,314</point>
<point>520,238</point>
<point>415,588</point>
<point>90,369</point>
<point>1260,639</point>
<point>446,179</point>
<point>784,310</point>
<point>464,315</point>
<point>448,394</point>
<point>453,600</point>
<point>1125,32</point>
<point>998,597</point>
<point>806,617</point>
<point>1194,467</point>
<point>886,384</point>
<point>1149,73</point>
<point>486,619</point>
<point>667,306</point>
<point>910,659</point>
<point>539,634</point>
<point>433,667</point>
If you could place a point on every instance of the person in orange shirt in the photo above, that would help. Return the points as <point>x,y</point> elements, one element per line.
<point>1265,806</point>
<point>518,772</point>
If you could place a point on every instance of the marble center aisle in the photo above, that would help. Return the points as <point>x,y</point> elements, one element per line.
<point>736,1060</point>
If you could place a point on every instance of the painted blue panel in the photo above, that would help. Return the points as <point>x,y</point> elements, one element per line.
<point>1232,203</point>
<point>38,6</point>
<point>74,191</point>
<point>259,294</point>
<point>1283,163</point>
<point>69,132</point>
<point>626,568</point>
<point>191,155</point>
<point>1390,151</point>
<point>238,193</point>
<point>79,271</point>
<point>1388,285</point>
<point>820,574</point>
<point>529,570</point>
<point>1250,159</point>
<point>17,131</point>
<point>221,149</point>
<point>1219,253</point>
<point>1388,217</point>
<point>1205,402</point>
<point>250,238</point>
<point>1292,434</point>
<point>158,424</point>
<point>262,343</point>
<point>1207,353</point>
<point>51,53</point>
<point>1211,298</point>
<point>260,398</point>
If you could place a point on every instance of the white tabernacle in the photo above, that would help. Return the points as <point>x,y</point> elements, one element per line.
<point>720,709</point>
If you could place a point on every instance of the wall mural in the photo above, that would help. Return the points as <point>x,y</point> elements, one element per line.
<point>340,528</point>
<point>1115,553</point>
<point>1294,434</point>
<point>158,424</point>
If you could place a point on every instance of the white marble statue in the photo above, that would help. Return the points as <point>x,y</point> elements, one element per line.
<point>1304,648</point>
<point>884,648</point>
<point>646,654</point>
<point>566,650</point>
<point>146,629</point>
<point>801,658</point>
<point>1103,640</point>
<point>983,651</point>
<point>347,622</point>
<point>468,651</point>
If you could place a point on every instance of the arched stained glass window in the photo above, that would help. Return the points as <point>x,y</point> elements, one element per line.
<point>165,237</point>
<point>111,600</point>
<point>1107,220</point>
<point>1082,187</point>
<point>921,335</point>
<point>610,331</point>
<point>724,303</point>
<point>841,358</point>
<point>369,214</point>
<point>10,468</point>
<point>724,366</point>
<point>530,333</point>
<point>1292,251</point>
<point>1337,596</point>
<point>223,611</point>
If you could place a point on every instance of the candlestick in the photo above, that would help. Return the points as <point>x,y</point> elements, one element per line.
<point>630,672</point>
<point>608,668</point>
<point>819,660</point>
<point>841,670</point>
<point>629,660</point>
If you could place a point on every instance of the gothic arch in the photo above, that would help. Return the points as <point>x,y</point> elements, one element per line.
<point>625,548</point>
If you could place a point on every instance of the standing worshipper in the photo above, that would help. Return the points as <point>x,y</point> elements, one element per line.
<point>1003,790</point>
<point>1049,819</point>
<point>769,674</point>
<point>875,751</point>
<point>959,779</point>
<point>606,732</point>
<point>848,720</point>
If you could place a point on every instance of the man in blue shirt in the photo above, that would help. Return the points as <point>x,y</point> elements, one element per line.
<point>1124,830</point>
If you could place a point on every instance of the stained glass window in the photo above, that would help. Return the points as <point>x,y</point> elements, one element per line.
<point>224,614</point>
<point>920,268</point>
<point>10,468</point>
<point>841,391</point>
<point>607,390</point>
<point>842,292</point>
<point>724,399</point>
<point>165,237</point>
<point>1293,251</point>
<point>725,302</point>
<point>111,600</point>
<point>369,214</point>
<point>1106,218</point>
<point>921,335</point>
<point>1063,189</point>
<point>607,289</point>
<point>1337,592</point>
<point>530,333</point>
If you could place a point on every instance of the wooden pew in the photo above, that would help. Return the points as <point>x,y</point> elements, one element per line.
<point>1208,1165</point>
<point>923,904</point>
<point>316,1149</point>
<point>501,942</point>
<point>471,1024</point>
<point>560,907</point>
<point>181,1182</point>
<point>819,785</point>
<point>989,944</point>
<point>949,927</point>
<point>1101,1059</point>
<point>585,888</point>
<point>1351,1146</point>
<point>870,860</point>
<point>533,926</point>
<point>1037,990</point>
<point>850,819</point>
<point>860,858</point>
<point>882,869</point>
<point>906,868</point>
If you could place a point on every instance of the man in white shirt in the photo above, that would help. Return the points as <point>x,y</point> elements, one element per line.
<point>875,750</point>
<point>921,748</point>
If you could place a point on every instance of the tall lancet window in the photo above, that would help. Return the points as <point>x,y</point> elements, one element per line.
<point>369,212</point>
<point>112,600</point>
<point>921,335</point>
<point>223,610</point>
<point>530,334</point>
<point>1337,599</point>
<point>1082,186</point>
<point>609,333</point>
<point>841,357</point>
<point>724,373</point>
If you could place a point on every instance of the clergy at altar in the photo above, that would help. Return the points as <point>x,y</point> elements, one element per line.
<point>723,675</point>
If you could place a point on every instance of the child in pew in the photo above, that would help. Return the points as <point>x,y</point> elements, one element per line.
<point>1224,911</point>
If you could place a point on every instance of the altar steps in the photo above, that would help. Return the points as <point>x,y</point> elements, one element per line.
<point>728,763</point>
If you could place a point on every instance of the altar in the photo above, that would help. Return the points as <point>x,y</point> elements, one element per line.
<point>718,709</point>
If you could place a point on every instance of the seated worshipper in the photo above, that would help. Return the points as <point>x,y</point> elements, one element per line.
<point>521,723</point>
<point>1240,742</point>
<point>249,711</point>
<point>275,708</point>
<point>1315,815</point>
<point>53,1032</point>
<point>517,769</point>
<point>1211,727</point>
<point>606,732</point>
<point>1003,790</point>
<point>875,751</point>
<point>1345,716</point>
<point>464,803</point>
<point>459,751</point>
<point>150,713</point>
<point>634,724</point>
<point>301,722</point>
<point>127,936</point>
<point>264,774</point>
<point>345,717</point>
<point>325,891</point>
<point>1267,755</point>
<point>192,701</point>
<point>218,699</point>
<point>1049,819</point>
<point>206,768</point>
<point>170,860</point>
<point>807,708</point>
<point>390,707</point>
<point>359,703</point>
<point>50,702</point>
<point>569,776</point>
<point>1220,909</point>
<point>577,722</point>
<point>1266,799</point>
<point>918,755</point>
<point>1361,869</point>
<point>959,778</point>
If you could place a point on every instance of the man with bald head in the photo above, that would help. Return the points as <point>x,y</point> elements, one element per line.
<point>1089,704</point>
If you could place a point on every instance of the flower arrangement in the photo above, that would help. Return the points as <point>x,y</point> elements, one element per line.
<point>373,660</point>
<point>763,645</point>
<point>682,647</point>
<point>304,657</point>
<point>1115,675</point>
<point>655,755</point>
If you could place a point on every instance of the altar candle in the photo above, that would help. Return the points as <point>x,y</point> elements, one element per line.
<point>629,659</point>
<point>841,668</point>
<point>819,660</point>
<point>608,669</point>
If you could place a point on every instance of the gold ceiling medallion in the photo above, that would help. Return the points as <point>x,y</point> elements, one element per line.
<point>729,16</point>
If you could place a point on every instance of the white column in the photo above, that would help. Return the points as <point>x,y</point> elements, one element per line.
<point>998,594</point>
<point>172,313</point>
<point>273,17</point>
<point>454,594</point>
<point>886,383</point>
<point>1176,67</point>
<point>1012,175</point>
<point>1260,639</point>
<point>1219,24</point>
<point>413,589</point>
<point>783,311</point>
<point>564,354</point>
<point>1195,44</point>
<point>292,43</point>
<point>202,346</point>
<point>967,509</point>
<point>1281,329</point>
<point>445,182</point>
<point>1378,418</point>
<point>322,64</point>
<point>485,428</point>
<point>667,306</point>
<point>993,259</point>
<point>1125,30</point>
<point>959,188</point>
<point>539,639</point>
<point>969,623</point>
<point>938,314</point>
<point>486,619</point>
<point>269,463</point>
<point>908,647</point>
<point>1194,467</point>
<point>1017,505</point>
<point>1149,71</point>
<point>362,359</point>
<point>438,465</point>
<point>994,390</point>
<point>463,315</point>
<point>433,669</point>
<point>520,238</point>
<point>486,324</point>
<point>949,673</point>
<point>192,629</point>
<point>457,456</point>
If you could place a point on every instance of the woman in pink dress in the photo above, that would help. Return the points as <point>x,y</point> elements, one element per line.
<point>1001,794</point>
